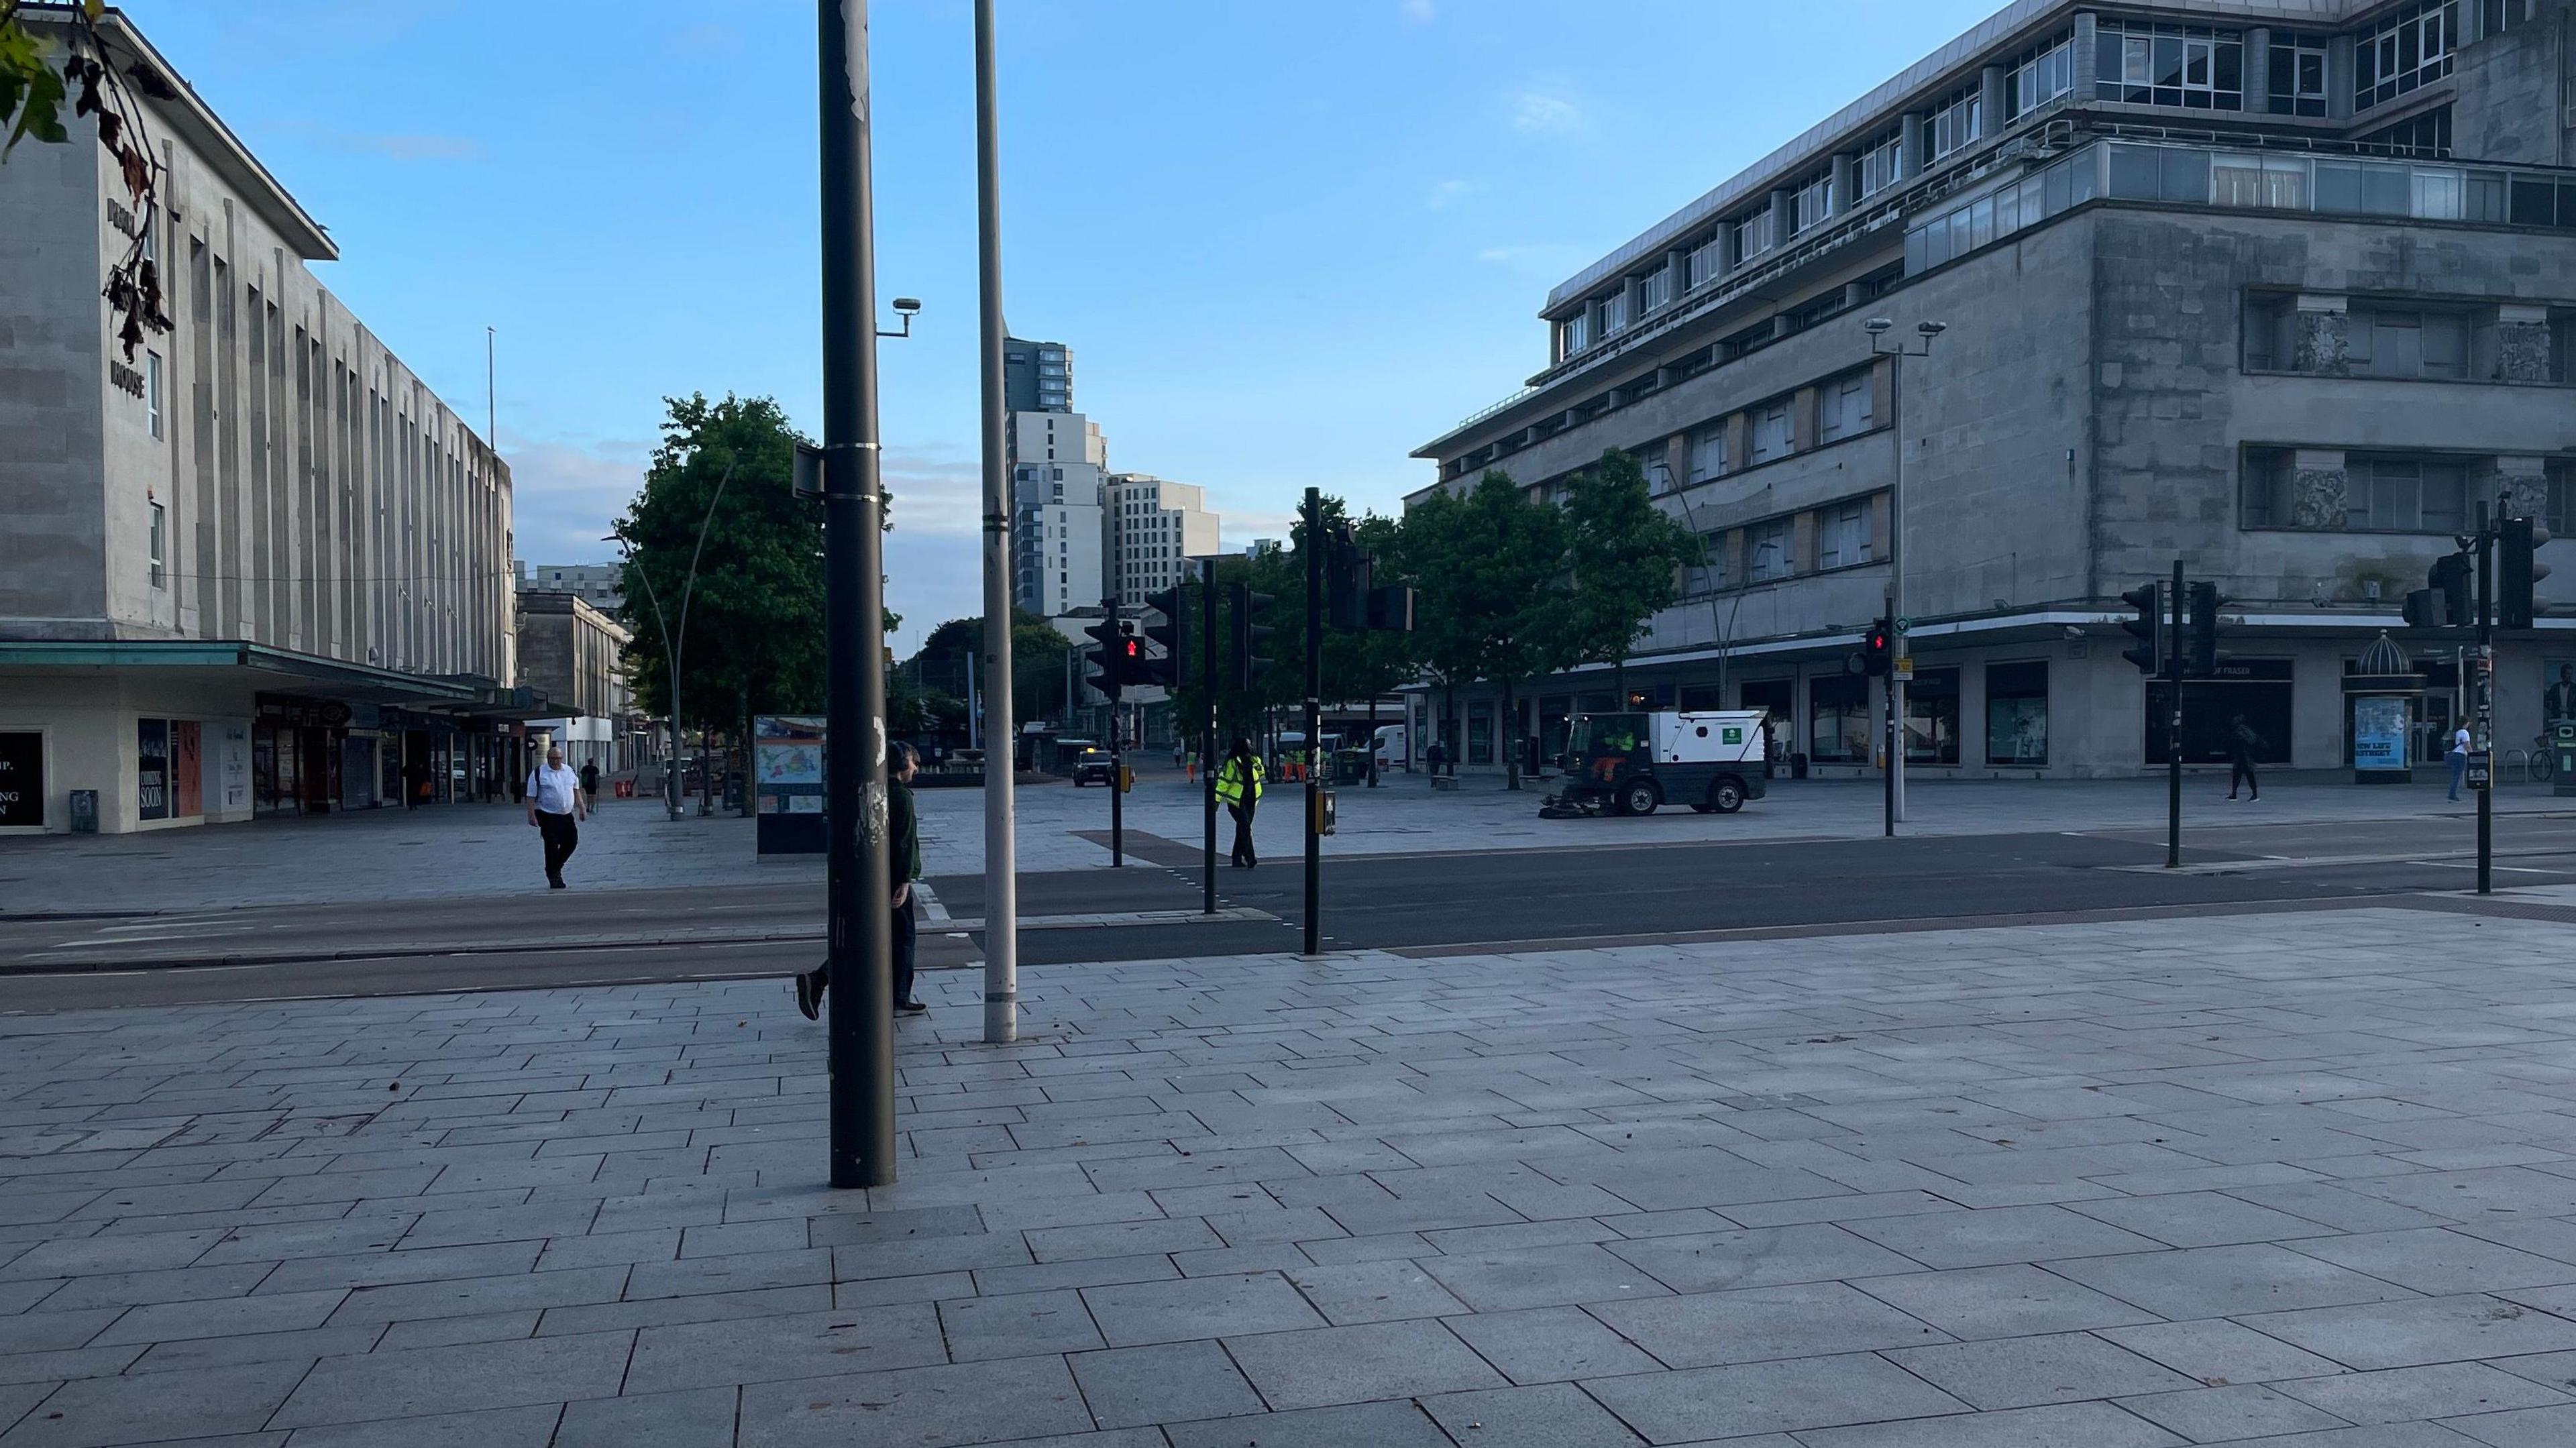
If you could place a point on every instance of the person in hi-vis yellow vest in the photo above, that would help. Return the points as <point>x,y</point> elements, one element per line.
<point>1238,788</point>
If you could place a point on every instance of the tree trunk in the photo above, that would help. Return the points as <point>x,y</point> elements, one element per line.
<point>1507,734</point>
<point>1619,677</point>
<point>1372,742</point>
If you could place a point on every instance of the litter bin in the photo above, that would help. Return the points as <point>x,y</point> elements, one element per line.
<point>84,811</point>
<point>1797,766</point>
<point>2562,758</point>
<point>1350,766</point>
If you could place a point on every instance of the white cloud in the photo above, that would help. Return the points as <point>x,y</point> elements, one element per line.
<point>935,493</point>
<point>1543,113</point>
<point>1442,193</point>
<point>564,495</point>
<point>1417,12</point>
<point>397,147</point>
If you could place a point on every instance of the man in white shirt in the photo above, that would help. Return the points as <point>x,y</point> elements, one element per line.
<point>555,803</point>
<point>2459,760</point>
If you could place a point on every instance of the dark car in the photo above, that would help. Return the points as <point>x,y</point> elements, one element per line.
<point>1094,766</point>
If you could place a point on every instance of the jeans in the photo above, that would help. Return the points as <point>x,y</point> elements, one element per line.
<point>2459,771</point>
<point>562,837</point>
<point>906,939</point>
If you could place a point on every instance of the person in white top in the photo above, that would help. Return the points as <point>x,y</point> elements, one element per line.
<point>555,804</point>
<point>2459,759</point>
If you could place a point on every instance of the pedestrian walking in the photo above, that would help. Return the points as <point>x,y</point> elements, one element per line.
<point>415,784</point>
<point>1238,788</point>
<point>903,866</point>
<point>2242,741</point>
<point>590,778</point>
<point>2459,759</point>
<point>555,807</point>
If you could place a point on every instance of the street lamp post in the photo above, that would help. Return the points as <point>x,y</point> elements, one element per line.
<point>1897,624</point>
<point>674,644</point>
<point>1001,869</point>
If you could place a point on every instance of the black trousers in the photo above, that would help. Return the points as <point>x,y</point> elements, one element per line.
<point>562,837</point>
<point>1242,853</point>
<point>2241,766</point>
<point>906,940</point>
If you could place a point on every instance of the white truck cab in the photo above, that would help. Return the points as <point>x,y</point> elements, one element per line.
<point>1634,762</point>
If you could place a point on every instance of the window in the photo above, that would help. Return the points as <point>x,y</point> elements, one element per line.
<point>1812,203</point>
<point>1882,164</point>
<point>2382,493</point>
<point>1766,551</point>
<point>160,541</point>
<point>1652,462</point>
<point>1707,262</point>
<point>1838,722</point>
<point>2403,53</point>
<point>2277,183</point>
<point>1658,287</point>
<point>2406,342</point>
<point>1614,313</point>
<point>1842,407</point>
<point>1574,334</point>
<point>2427,135</point>
<point>2169,65</point>
<point>1932,717</point>
<point>1753,235</point>
<point>1772,437</point>
<point>2270,344</point>
<point>1708,452</point>
<point>2562,498</point>
<point>2017,714</point>
<point>2298,79</point>
<point>1842,535</point>
<point>2504,15</point>
<point>152,392</point>
<point>1711,574</point>
<point>2040,75</point>
<point>1957,121</point>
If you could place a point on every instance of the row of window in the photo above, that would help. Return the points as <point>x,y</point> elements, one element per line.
<point>2434,493</point>
<point>2146,64</point>
<point>2407,340</point>
<point>2403,53</point>
<point>1842,539</point>
<point>1843,409</point>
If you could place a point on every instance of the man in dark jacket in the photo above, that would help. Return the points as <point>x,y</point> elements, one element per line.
<point>2242,741</point>
<point>903,866</point>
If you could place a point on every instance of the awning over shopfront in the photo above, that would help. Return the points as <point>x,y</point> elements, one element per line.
<point>272,670</point>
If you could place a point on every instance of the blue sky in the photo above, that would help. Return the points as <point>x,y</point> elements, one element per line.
<point>1288,241</point>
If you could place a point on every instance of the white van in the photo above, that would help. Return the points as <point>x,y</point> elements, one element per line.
<point>1391,751</point>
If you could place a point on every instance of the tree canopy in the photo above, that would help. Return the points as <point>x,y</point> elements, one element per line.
<point>1492,565</point>
<point>752,641</point>
<point>1626,556</point>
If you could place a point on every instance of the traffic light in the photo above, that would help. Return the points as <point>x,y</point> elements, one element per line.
<point>2517,570</point>
<point>1349,578</point>
<point>1242,604</point>
<point>2200,631</point>
<point>1391,608</point>
<point>2147,628</point>
<point>2445,601</point>
<point>1114,653</point>
<point>1169,628</point>
<point>1878,650</point>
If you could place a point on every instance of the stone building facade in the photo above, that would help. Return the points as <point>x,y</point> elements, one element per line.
<point>2282,289</point>
<point>259,567</point>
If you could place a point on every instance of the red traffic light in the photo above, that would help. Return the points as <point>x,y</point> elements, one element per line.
<point>1132,648</point>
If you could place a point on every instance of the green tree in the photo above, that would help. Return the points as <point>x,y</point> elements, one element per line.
<point>31,104</point>
<point>753,630</point>
<point>1490,569</point>
<point>1626,555</point>
<point>1037,663</point>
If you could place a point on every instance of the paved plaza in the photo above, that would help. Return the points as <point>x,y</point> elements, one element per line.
<point>469,850</point>
<point>2290,1179</point>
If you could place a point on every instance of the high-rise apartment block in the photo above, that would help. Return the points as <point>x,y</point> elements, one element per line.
<point>1149,530</point>
<point>1037,376</point>
<point>2284,289</point>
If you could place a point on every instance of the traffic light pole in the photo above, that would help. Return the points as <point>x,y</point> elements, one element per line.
<point>2486,705</point>
<point>1000,739</point>
<point>1895,701</point>
<point>1207,730</point>
<point>2173,726</point>
<point>1314,550</point>
<point>859,907</point>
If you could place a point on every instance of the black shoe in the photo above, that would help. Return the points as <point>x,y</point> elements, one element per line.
<point>809,996</point>
<point>910,1008</point>
<point>555,882</point>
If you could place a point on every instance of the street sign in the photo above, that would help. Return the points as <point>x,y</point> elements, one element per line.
<point>1905,625</point>
<point>1904,669</point>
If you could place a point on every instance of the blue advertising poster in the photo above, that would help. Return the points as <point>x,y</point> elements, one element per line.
<point>787,783</point>
<point>2378,733</point>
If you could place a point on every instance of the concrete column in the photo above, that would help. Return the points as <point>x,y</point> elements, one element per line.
<point>1882,530</point>
<point>1802,419</point>
<point>2318,491</point>
<point>1677,262</point>
<point>2339,76</point>
<point>1990,87</point>
<point>1802,543</point>
<point>2258,69</point>
<point>1781,200</point>
<point>1739,441</point>
<point>1916,157</point>
<point>2318,334</point>
<point>1728,259</point>
<point>1732,545</point>
<point>1846,181</point>
<point>1882,392</point>
<point>2522,343</point>
<point>2087,46</point>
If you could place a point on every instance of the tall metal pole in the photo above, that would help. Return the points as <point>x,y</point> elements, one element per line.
<point>1001,862</point>
<point>2173,724</point>
<point>1313,547</point>
<point>1897,646</point>
<point>2486,698</point>
<point>1207,730</point>
<point>859,902</point>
